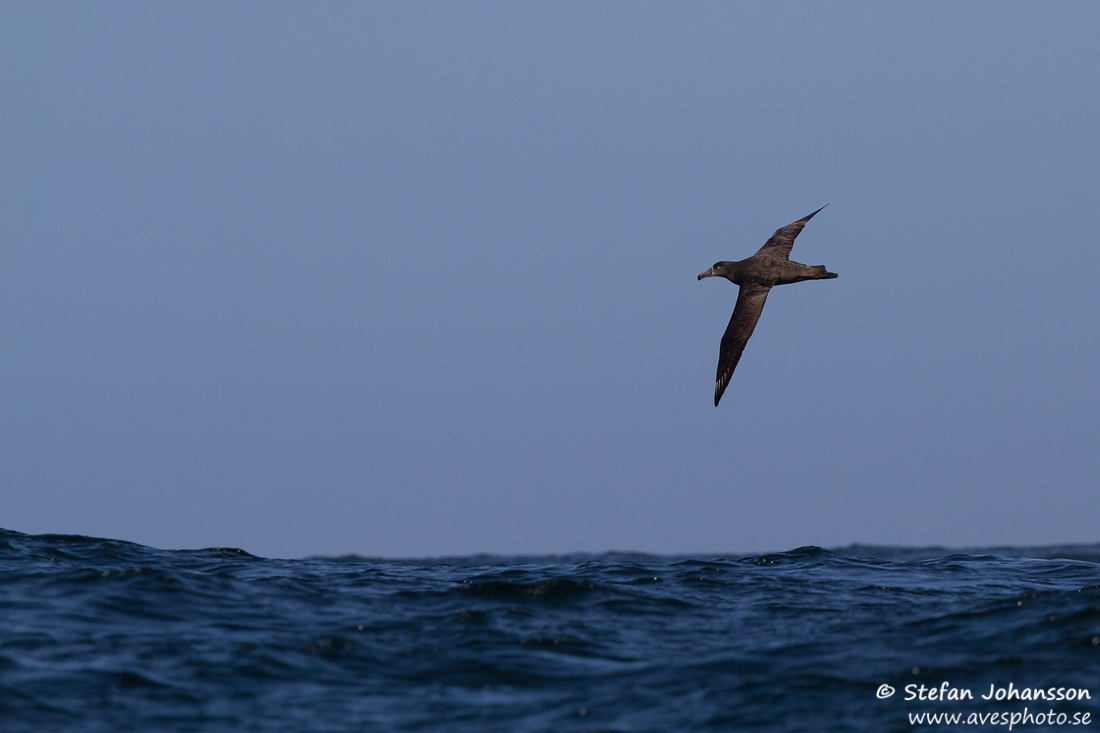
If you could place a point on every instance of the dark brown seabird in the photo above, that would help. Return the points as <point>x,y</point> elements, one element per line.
<point>757,275</point>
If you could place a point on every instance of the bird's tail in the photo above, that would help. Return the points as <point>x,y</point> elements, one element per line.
<point>824,274</point>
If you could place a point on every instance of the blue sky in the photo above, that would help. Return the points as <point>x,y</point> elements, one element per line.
<point>410,279</point>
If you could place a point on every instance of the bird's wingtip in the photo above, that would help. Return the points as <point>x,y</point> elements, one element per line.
<point>811,216</point>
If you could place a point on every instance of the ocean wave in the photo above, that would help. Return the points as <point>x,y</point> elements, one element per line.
<point>110,635</point>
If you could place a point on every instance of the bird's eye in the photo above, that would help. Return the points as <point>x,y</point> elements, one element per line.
<point>716,265</point>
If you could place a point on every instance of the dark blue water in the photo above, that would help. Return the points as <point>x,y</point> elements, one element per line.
<point>101,635</point>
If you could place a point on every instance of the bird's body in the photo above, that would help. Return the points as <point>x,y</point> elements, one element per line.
<point>756,276</point>
<point>771,271</point>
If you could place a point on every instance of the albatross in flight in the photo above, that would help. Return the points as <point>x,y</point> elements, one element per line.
<point>757,275</point>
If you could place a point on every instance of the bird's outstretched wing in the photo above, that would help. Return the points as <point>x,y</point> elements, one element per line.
<point>781,242</point>
<point>750,301</point>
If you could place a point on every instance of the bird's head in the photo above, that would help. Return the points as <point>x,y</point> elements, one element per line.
<point>720,269</point>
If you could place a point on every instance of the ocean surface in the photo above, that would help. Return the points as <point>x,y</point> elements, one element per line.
<point>103,635</point>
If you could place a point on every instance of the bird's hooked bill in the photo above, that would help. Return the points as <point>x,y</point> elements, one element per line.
<point>708,273</point>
